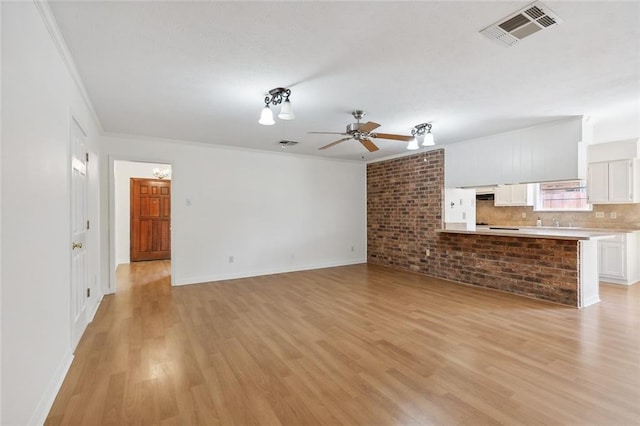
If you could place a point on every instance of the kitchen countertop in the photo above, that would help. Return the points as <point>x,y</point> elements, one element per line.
<point>560,233</point>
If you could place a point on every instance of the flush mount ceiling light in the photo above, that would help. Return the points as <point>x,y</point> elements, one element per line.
<point>421,135</point>
<point>277,96</point>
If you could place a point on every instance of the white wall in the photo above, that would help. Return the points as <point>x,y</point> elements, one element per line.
<point>0,211</point>
<point>272,212</point>
<point>124,171</point>
<point>38,98</point>
<point>616,122</point>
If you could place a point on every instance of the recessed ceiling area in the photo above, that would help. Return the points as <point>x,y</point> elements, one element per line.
<point>199,71</point>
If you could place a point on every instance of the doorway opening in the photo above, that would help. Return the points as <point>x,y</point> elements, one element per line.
<point>142,225</point>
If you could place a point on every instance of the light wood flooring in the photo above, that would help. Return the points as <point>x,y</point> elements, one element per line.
<point>355,345</point>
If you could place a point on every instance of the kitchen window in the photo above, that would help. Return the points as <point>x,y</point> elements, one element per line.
<point>568,195</point>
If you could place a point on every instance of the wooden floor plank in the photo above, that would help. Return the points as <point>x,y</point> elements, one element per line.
<point>359,344</point>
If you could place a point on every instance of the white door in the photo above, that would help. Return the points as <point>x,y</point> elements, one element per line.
<point>620,181</point>
<point>78,244</point>
<point>612,259</point>
<point>502,196</point>
<point>598,182</point>
<point>519,195</point>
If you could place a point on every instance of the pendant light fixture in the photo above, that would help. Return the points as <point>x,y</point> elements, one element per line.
<point>277,96</point>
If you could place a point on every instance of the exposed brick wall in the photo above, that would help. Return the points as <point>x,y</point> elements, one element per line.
<point>404,210</point>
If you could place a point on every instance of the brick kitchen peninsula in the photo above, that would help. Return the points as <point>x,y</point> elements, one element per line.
<point>559,265</point>
<point>404,231</point>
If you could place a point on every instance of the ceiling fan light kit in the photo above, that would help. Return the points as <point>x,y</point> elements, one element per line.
<point>362,132</point>
<point>266,117</point>
<point>277,96</point>
<point>413,145</point>
<point>286,111</point>
<point>422,135</point>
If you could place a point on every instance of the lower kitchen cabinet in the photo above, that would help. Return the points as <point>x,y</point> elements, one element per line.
<point>618,259</point>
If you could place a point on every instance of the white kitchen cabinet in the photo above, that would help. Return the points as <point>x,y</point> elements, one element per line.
<point>621,181</point>
<point>618,259</point>
<point>598,183</point>
<point>514,195</point>
<point>611,182</point>
<point>612,260</point>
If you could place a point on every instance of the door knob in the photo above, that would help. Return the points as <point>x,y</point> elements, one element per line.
<point>76,245</point>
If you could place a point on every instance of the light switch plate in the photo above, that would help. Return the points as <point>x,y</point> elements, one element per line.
<point>613,215</point>
<point>599,215</point>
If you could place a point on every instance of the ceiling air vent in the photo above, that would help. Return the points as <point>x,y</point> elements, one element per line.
<point>522,24</point>
<point>285,143</point>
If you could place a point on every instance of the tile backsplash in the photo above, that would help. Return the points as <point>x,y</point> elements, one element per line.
<point>616,216</point>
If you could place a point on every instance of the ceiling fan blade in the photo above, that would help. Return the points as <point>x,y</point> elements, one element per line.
<point>334,143</point>
<point>368,126</point>
<point>391,136</point>
<point>329,133</point>
<point>369,145</point>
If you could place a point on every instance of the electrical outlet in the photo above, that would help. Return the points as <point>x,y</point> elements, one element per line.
<point>599,215</point>
<point>613,215</point>
<point>427,252</point>
<point>524,215</point>
<point>230,259</point>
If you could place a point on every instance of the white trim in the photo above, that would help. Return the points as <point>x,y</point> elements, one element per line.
<point>268,271</point>
<point>616,281</point>
<point>46,402</point>
<point>0,209</point>
<point>590,301</point>
<point>141,138</point>
<point>94,311</point>
<point>588,280</point>
<point>122,261</point>
<point>58,41</point>
<point>407,154</point>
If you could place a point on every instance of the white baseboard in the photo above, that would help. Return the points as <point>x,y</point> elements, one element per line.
<point>178,281</point>
<point>591,301</point>
<point>92,312</point>
<point>124,261</point>
<point>607,280</point>
<point>42,410</point>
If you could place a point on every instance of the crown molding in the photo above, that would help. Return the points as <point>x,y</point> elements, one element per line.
<point>58,41</point>
<point>422,151</point>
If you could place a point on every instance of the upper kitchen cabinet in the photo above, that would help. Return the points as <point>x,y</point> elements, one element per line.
<point>613,176</point>
<point>551,152</point>
<point>613,182</point>
<point>514,195</point>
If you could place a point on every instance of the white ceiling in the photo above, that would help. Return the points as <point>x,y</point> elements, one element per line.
<point>199,71</point>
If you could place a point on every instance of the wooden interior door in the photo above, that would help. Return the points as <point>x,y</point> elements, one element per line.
<point>150,219</point>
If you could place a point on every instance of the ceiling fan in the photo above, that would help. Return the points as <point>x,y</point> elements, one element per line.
<point>362,132</point>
